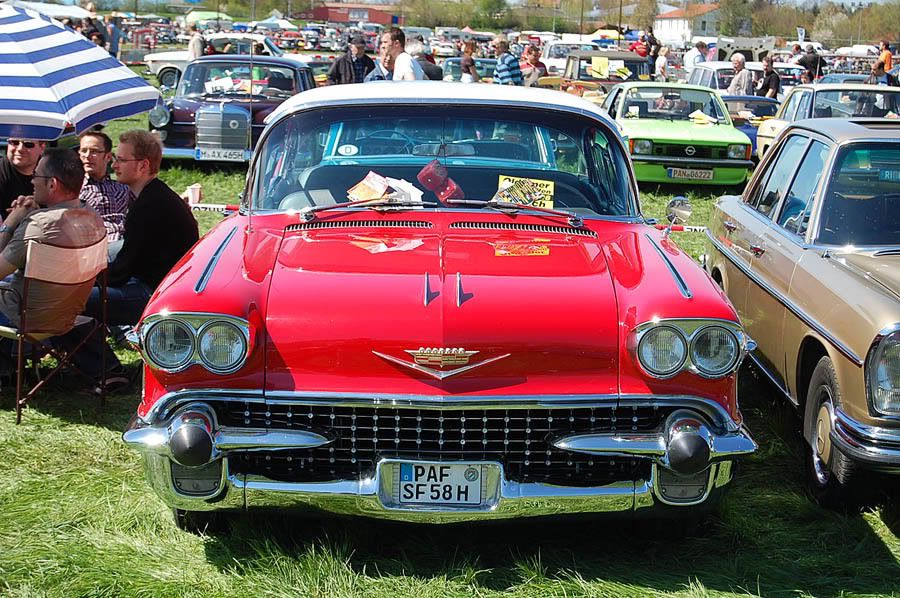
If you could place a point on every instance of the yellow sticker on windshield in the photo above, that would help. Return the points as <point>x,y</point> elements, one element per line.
<point>600,67</point>
<point>530,192</point>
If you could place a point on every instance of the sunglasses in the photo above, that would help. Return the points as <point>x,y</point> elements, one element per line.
<point>25,144</point>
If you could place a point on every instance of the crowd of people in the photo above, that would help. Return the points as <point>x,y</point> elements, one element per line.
<point>68,199</point>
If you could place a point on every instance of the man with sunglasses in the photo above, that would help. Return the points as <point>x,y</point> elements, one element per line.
<point>16,170</point>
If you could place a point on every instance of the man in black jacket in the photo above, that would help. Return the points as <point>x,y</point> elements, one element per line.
<point>353,66</point>
<point>813,63</point>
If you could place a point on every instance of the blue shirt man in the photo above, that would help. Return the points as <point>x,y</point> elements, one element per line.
<point>507,71</point>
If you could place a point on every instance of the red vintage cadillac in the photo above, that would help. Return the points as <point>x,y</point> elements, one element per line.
<point>439,302</point>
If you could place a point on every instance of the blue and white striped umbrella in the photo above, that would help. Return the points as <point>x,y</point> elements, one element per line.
<point>52,77</point>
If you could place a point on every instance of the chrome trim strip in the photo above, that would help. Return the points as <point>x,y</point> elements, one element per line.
<point>440,375</point>
<point>875,434</point>
<point>722,446</point>
<point>682,285</point>
<point>211,265</point>
<point>429,294</point>
<point>165,405</point>
<point>762,368</point>
<point>154,439</point>
<point>806,318</point>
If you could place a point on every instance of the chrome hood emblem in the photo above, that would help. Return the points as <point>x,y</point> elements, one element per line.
<point>440,357</point>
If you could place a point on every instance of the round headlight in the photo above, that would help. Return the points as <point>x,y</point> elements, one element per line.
<point>159,116</point>
<point>884,376</point>
<point>737,152</point>
<point>715,351</point>
<point>222,346</point>
<point>662,351</point>
<point>169,344</point>
<point>642,146</point>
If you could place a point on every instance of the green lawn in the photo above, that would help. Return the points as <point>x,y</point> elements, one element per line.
<point>78,519</point>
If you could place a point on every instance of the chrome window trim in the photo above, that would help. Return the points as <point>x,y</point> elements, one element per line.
<point>166,405</point>
<point>211,264</point>
<point>679,281</point>
<point>790,305</point>
<point>874,349</point>
<point>196,322</point>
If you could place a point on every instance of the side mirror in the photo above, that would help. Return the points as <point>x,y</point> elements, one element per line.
<point>679,210</point>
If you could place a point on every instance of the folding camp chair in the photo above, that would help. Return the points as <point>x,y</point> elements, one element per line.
<point>59,266</point>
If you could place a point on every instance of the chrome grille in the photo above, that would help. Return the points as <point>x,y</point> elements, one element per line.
<point>518,438</point>
<point>223,126</point>
<point>359,224</point>
<point>537,228</point>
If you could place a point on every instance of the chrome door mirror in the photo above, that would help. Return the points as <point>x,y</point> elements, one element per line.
<point>679,210</point>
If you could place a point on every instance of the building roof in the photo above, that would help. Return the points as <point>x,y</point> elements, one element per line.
<point>384,6</point>
<point>689,12</point>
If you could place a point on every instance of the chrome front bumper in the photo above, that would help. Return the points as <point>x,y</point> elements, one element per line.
<point>875,447</point>
<point>170,472</point>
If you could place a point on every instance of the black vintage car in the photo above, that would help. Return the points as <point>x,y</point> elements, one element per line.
<point>218,98</point>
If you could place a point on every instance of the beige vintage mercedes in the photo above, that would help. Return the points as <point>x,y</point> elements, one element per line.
<point>810,257</point>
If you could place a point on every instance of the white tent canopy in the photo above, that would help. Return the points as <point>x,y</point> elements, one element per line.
<point>280,23</point>
<point>54,11</point>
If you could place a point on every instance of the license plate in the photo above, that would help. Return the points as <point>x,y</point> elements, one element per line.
<point>225,155</point>
<point>690,173</point>
<point>440,483</point>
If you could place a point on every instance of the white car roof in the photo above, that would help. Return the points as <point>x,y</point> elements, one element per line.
<point>438,92</point>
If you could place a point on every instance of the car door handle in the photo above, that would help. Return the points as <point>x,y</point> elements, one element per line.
<point>730,226</point>
<point>757,250</point>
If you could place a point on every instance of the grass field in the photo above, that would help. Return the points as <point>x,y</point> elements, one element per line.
<point>78,519</point>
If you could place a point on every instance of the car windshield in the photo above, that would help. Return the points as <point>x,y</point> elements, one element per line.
<point>601,68</point>
<point>862,201</point>
<point>484,66</point>
<point>843,103</point>
<point>672,103</point>
<point>563,50</point>
<point>222,78</point>
<point>438,153</point>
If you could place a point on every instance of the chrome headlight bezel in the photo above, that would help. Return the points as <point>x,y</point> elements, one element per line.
<point>241,338</point>
<point>887,337</point>
<point>737,151</point>
<point>159,116</point>
<point>151,357</point>
<point>641,147</point>
<point>690,329</point>
<point>709,372</point>
<point>648,336</point>
<point>196,324</point>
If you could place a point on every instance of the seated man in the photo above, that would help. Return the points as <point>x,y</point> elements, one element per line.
<point>16,169</point>
<point>52,215</point>
<point>111,199</point>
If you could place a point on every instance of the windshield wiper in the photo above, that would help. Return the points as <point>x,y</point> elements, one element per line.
<point>509,207</point>
<point>379,204</point>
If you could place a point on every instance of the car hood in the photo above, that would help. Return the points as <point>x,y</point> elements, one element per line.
<point>174,56</point>
<point>882,267</point>
<point>679,131</point>
<point>525,312</point>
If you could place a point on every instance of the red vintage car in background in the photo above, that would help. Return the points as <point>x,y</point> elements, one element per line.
<point>439,303</point>
<point>221,103</point>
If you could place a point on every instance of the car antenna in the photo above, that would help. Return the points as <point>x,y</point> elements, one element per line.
<point>250,125</point>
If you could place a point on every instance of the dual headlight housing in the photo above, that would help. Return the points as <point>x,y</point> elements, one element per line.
<point>174,342</point>
<point>708,348</point>
<point>883,373</point>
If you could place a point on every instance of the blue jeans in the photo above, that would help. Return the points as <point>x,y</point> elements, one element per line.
<point>124,305</point>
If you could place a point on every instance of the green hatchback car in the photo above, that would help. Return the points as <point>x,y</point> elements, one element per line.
<point>679,133</point>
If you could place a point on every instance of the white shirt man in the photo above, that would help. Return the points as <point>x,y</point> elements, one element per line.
<point>393,42</point>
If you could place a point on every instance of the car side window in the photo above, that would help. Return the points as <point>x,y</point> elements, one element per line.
<point>790,107</point>
<point>795,210</point>
<point>770,193</point>
<point>695,76</point>
<point>616,103</point>
<point>706,78</point>
<point>803,106</point>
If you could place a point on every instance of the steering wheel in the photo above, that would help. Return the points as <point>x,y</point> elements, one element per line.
<point>388,134</point>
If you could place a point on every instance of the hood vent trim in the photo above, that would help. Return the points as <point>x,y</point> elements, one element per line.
<point>883,252</point>
<point>535,228</point>
<point>359,224</point>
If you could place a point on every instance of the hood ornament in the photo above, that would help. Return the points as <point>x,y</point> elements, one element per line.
<point>425,359</point>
